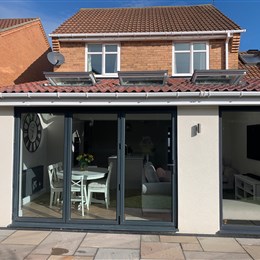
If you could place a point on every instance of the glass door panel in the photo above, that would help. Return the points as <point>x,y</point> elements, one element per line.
<point>42,149</point>
<point>94,166</point>
<point>148,176</point>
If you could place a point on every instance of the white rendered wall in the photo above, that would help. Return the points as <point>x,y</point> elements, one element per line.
<point>6,164</point>
<point>198,170</point>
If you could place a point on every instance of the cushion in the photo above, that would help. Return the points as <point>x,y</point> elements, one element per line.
<point>150,174</point>
<point>164,176</point>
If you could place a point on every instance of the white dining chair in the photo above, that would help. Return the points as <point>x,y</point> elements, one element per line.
<point>56,186</point>
<point>78,191</point>
<point>100,186</point>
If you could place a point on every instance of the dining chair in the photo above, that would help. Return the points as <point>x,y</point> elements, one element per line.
<point>56,186</point>
<point>78,191</point>
<point>100,186</point>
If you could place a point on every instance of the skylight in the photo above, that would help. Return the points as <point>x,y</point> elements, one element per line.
<point>252,57</point>
<point>70,78</point>
<point>143,78</point>
<point>232,77</point>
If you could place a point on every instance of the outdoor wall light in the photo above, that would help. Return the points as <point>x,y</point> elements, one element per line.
<point>195,129</point>
<point>198,126</point>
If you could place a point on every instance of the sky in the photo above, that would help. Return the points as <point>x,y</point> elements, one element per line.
<point>52,13</point>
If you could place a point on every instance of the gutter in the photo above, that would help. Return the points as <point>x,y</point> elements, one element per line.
<point>131,99</point>
<point>62,35</point>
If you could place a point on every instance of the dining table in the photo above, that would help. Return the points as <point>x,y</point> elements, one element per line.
<point>90,173</point>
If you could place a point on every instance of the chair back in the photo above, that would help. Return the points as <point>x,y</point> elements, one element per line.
<point>109,173</point>
<point>77,182</point>
<point>51,172</point>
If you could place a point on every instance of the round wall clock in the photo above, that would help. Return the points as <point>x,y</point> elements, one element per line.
<point>32,132</point>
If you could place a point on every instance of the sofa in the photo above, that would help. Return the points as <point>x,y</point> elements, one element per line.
<point>156,190</point>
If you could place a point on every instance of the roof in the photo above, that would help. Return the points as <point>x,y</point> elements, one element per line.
<point>252,71</point>
<point>112,86</point>
<point>7,24</point>
<point>147,19</point>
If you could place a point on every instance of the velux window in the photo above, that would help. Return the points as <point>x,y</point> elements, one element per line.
<point>188,56</point>
<point>102,59</point>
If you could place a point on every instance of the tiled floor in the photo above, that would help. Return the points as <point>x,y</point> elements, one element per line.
<point>52,245</point>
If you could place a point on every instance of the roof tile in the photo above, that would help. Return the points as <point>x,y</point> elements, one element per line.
<point>112,86</point>
<point>6,24</point>
<point>147,19</point>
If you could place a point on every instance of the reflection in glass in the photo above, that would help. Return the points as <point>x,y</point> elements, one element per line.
<point>111,63</point>
<point>182,62</point>
<point>40,189</point>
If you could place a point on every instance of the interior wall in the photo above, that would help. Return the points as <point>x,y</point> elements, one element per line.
<point>198,170</point>
<point>6,165</point>
<point>235,141</point>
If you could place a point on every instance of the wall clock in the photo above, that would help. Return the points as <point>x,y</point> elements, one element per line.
<point>32,132</point>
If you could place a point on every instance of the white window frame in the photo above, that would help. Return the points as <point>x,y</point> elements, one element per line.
<point>190,51</point>
<point>103,53</point>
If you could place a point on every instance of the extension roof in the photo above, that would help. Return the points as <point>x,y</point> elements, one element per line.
<point>113,86</point>
<point>147,19</point>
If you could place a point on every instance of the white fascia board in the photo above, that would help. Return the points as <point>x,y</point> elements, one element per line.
<point>61,35</point>
<point>130,99</point>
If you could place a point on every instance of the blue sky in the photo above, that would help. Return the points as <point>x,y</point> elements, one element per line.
<point>53,12</point>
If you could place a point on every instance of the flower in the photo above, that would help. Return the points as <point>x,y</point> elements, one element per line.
<point>85,158</point>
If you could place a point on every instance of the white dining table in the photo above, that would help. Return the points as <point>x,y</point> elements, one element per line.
<point>91,173</point>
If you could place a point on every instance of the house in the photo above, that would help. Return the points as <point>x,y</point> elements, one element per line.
<point>22,60</point>
<point>148,123</point>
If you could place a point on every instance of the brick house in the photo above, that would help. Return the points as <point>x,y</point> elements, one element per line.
<point>21,59</point>
<point>160,97</point>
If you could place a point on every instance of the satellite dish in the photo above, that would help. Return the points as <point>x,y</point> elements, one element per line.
<point>55,58</point>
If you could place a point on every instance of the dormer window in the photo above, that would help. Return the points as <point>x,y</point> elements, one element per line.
<point>102,59</point>
<point>188,56</point>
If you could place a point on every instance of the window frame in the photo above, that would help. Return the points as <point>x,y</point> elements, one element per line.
<point>191,52</point>
<point>103,53</point>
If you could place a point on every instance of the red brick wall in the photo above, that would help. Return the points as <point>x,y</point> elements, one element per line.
<point>146,56</point>
<point>74,54</point>
<point>23,54</point>
<point>217,55</point>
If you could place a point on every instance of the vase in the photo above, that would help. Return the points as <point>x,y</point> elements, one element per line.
<point>83,166</point>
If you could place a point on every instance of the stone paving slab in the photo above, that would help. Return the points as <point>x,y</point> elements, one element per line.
<point>179,239</point>
<point>216,256</point>
<point>191,247</point>
<point>60,243</point>
<point>28,237</point>
<point>4,233</point>
<point>15,252</point>
<point>37,257</point>
<point>220,244</point>
<point>112,240</point>
<point>154,250</point>
<point>57,257</point>
<point>122,254</point>
<point>86,251</point>
<point>254,251</point>
<point>150,238</point>
<point>249,241</point>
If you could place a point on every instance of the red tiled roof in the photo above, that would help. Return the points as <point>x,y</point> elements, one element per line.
<point>252,71</point>
<point>6,24</point>
<point>147,19</point>
<point>112,86</point>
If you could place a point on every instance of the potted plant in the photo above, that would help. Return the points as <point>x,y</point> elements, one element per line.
<point>84,160</point>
